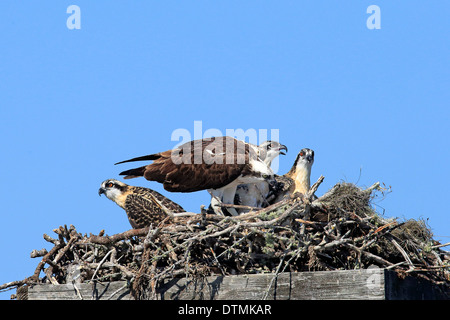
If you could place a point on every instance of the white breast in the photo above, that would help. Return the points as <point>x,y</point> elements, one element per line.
<point>259,166</point>
<point>253,195</point>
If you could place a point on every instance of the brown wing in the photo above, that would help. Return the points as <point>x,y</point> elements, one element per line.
<point>197,165</point>
<point>151,195</point>
<point>142,212</point>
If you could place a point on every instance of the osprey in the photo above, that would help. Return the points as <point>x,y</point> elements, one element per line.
<point>297,180</point>
<point>254,195</point>
<point>217,164</point>
<point>143,206</point>
<point>269,150</point>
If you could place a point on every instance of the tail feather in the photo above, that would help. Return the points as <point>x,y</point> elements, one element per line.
<point>143,158</point>
<point>133,173</point>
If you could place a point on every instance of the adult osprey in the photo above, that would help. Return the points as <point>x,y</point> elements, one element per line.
<point>217,164</point>
<point>269,150</point>
<point>255,194</point>
<point>143,206</point>
<point>297,180</point>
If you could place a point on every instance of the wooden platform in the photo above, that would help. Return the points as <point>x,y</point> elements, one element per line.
<point>369,284</point>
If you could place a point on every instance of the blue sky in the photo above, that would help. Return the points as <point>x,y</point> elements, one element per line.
<point>373,104</point>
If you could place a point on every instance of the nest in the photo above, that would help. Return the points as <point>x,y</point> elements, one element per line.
<point>338,231</point>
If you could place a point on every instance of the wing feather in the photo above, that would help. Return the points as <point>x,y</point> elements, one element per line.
<point>198,165</point>
<point>151,195</point>
<point>142,212</point>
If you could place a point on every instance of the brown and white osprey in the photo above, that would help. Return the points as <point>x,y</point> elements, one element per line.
<point>217,164</point>
<point>255,194</point>
<point>143,206</point>
<point>297,180</point>
<point>269,150</point>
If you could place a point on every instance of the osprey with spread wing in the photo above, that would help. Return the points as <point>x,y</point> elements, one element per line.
<point>217,164</point>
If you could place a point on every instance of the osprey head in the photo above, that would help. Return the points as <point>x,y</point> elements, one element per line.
<point>112,189</point>
<point>269,150</point>
<point>301,170</point>
<point>305,158</point>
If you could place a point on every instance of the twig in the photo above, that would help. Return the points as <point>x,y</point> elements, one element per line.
<point>128,274</point>
<point>375,186</point>
<point>274,278</point>
<point>393,223</point>
<point>38,253</point>
<point>404,254</point>
<point>277,220</point>
<point>238,206</point>
<point>440,245</point>
<point>63,251</point>
<point>9,285</point>
<point>45,259</point>
<point>101,263</point>
<point>395,265</point>
<point>314,187</point>
<point>331,245</point>
<point>117,237</point>
<point>125,286</point>
<point>310,222</point>
<point>77,291</point>
<point>369,255</point>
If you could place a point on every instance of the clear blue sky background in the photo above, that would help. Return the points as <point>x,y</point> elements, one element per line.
<point>373,104</point>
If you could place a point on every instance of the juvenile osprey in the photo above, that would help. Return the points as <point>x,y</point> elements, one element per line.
<point>298,179</point>
<point>217,164</point>
<point>143,206</point>
<point>255,194</point>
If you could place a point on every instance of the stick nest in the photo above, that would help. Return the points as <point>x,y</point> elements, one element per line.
<point>340,230</point>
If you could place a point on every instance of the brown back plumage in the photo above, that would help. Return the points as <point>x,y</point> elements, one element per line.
<point>146,206</point>
<point>154,196</point>
<point>196,165</point>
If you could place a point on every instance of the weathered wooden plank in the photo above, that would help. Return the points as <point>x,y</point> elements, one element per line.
<point>355,284</point>
<point>367,284</point>
<point>86,291</point>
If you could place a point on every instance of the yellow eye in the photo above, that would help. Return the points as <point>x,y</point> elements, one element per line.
<point>302,154</point>
<point>109,185</point>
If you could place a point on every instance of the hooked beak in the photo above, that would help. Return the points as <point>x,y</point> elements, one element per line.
<point>282,147</point>
<point>309,158</point>
<point>100,191</point>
